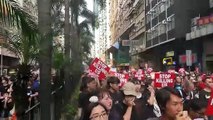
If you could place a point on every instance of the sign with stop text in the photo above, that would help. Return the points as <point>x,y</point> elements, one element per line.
<point>99,68</point>
<point>209,110</point>
<point>164,79</point>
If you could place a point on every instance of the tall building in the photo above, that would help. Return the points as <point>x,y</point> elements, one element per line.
<point>167,22</point>
<point>199,39</point>
<point>102,32</point>
<point>127,26</point>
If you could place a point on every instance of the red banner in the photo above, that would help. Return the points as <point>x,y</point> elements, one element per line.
<point>164,79</point>
<point>140,74</point>
<point>209,110</point>
<point>99,68</point>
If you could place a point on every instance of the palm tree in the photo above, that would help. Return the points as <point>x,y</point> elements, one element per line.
<point>44,20</point>
<point>73,31</point>
<point>23,37</point>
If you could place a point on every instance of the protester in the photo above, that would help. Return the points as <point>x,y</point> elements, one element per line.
<point>197,108</point>
<point>144,103</point>
<point>171,105</point>
<point>104,98</point>
<point>88,87</point>
<point>124,109</point>
<point>96,111</point>
<point>114,90</point>
<point>206,92</point>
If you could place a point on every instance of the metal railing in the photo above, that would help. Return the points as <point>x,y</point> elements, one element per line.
<point>33,113</point>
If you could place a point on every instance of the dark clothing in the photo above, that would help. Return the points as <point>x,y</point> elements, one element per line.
<point>83,102</point>
<point>143,109</point>
<point>204,95</point>
<point>116,96</point>
<point>118,111</point>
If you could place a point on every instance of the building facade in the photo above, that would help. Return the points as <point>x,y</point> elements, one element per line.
<point>200,37</point>
<point>154,32</point>
<point>102,31</point>
<point>127,26</point>
<point>167,22</point>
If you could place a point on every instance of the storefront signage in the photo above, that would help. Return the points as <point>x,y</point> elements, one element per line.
<point>205,20</point>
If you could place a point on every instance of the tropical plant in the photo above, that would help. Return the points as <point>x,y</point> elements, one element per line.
<point>45,58</point>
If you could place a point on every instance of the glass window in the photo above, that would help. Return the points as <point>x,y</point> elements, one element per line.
<point>162,29</point>
<point>147,2</point>
<point>162,7</point>
<point>148,19</point>
<point>171,24</point>
<point>149,35</point>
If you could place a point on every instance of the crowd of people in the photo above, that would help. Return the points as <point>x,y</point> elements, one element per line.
<point>7,106</point>
<point>141,100</point>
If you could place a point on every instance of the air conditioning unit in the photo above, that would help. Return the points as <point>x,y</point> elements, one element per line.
<point>164,22</point>
<point>149,13</point>
<point>152,11</point>
<point>163,0</point>
<point>152,29</point>
<point>169,19</point>
<point>149,31</point>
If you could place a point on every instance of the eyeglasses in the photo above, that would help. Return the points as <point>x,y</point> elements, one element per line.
<point>97,116</point>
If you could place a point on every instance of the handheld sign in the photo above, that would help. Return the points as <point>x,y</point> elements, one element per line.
<point>122,77</point>
<point>140,74</point>
<point>164,79</point>
<point>209,110</point>
<point>99,68</point>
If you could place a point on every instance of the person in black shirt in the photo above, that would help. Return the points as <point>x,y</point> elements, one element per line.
<point>144,102</point>
<point>123,110</point>
<point>114,90</point>
<point>205,94</point>
<point>88,87</point>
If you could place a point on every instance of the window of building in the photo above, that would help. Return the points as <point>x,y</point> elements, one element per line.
<point>161,28</point>
<point>156,11</point>
<point>147,2</point>
<point>162,7</point>
<point>170,3</point>
<point>154,32</point>
<point>171,23</point>
<point>148,19</point>
<point>149,35</point>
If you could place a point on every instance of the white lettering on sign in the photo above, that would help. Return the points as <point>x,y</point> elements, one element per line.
<point>165,76</point>
<point>164,80</point>
<point>211,103</point>
<point>100,67</point>
<point>97,71</point>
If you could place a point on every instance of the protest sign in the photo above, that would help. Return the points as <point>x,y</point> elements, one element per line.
<point>164,79</point>
<point>99,68</point>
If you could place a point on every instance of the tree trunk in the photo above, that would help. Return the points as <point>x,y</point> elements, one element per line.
<point>67,50</point>
<point>44,20</point>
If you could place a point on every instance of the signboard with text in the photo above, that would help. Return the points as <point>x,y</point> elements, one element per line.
<point>122,77</point>
<point>140,75</point>
<point>164,79</point>
<point>99,68</point>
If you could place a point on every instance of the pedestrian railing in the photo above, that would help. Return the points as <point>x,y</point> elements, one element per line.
<point>33,113</point>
